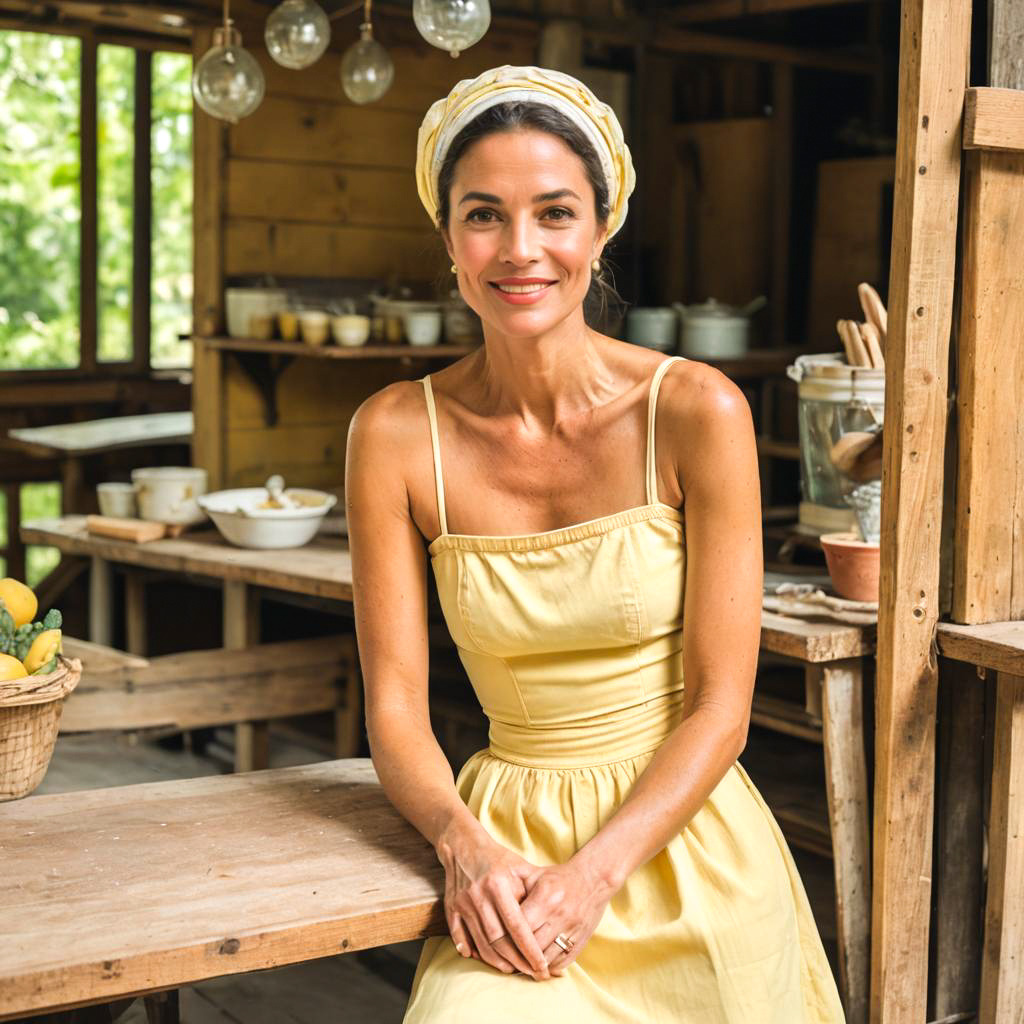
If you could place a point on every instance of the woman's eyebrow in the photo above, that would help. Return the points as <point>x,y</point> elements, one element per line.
<point>544,197</point>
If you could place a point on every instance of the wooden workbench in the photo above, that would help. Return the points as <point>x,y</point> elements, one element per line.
<point>137,889</point>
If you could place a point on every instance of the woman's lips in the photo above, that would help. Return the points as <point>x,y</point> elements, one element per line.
<point>523,298</point>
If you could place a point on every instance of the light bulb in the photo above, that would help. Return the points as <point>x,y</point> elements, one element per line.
<point>227,82</point>
<point>366,69</point>
<point>297,33</point>
<point>452,25</point>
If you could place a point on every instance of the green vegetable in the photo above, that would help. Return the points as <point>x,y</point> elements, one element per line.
<point>53,620</point>
<point>6,629</point>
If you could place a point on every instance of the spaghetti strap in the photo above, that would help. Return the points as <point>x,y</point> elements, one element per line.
<point>652,402</point>
<point>435,445</point>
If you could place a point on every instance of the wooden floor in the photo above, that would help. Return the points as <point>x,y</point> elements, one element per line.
<point>351,989</point>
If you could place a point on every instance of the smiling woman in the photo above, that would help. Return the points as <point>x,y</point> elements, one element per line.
<point>606,843</point>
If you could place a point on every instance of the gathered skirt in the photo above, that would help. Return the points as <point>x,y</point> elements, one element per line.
<point>715,929</point>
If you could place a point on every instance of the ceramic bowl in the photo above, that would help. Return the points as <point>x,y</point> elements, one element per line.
<point>350,329</point>
<point>853,565</point>
<point>168,494</point>
<point>316,326</point>
<point>117,500</point>
<point>423,327</point>
<point>241,520</point>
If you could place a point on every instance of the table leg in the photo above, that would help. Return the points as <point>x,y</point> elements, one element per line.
<point>241,629</point>
<point>1002,977</point>
<point>101,600</point>
<point>846,784</point>
<point>162,1007</point>
<point>348,720</point>
<point>135,612</point>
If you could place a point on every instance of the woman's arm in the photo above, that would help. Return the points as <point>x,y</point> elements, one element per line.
<point>385,446</point>
<point>705,419</point>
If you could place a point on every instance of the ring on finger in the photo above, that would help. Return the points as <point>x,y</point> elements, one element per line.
<point>497,938</point>
<point>563,942</point>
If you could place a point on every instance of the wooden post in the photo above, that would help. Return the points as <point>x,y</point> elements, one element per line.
<point>101,599</point>
<point>934,49</point>
<point>1002,972</point>
<point>241,629</point>
<point>846,783</point>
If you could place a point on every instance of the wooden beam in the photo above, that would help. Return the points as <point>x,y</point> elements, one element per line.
<point>987,584</point>
<point>142,211</point>
<point>994,119</point>
<point>1002,981</point>
<point>88,231</point>
<point>934,49</point>
<point>1006,44</point>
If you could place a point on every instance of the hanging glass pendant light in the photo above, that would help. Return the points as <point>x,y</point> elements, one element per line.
<point>366,68</point>
<point>297,33</point>
<point>452,25</point>
<point>228,82</point>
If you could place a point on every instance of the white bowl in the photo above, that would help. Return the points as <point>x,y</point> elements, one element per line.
<point>423,327</point>
<point>168,494</point>
<point>236,513</point>
<point>350,329</point>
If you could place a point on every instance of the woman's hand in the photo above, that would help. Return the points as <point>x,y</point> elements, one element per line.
<point>484,884</point>
<point>569,900</point>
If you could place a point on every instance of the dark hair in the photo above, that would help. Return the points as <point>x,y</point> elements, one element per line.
<point>516,116</point>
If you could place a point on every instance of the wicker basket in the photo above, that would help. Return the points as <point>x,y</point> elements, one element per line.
<point>30,710</point>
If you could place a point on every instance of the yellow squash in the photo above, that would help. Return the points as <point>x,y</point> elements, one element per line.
<point>43,649</point>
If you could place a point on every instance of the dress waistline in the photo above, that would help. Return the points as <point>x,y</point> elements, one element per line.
<point>603,739</point>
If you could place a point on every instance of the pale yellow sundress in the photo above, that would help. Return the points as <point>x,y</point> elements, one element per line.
<point>572,639</point>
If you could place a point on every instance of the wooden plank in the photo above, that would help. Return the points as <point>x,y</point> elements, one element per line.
<point>101,596</point>
<point>324,131</point>
<point>782,201</point>
<point>846,786</point>
<point>987,586</point>
<point>959,836</point>
<point>257,870</point>
<point>1006,44</point>
<point>995,645</point>
<point>209,141</point>
<point>1002,979</point>
<point>206,688</point>
<point>134,613</point>
<point>105,435</point>
<point>370,351</point>
<point>241,628</point>
<point>786,717</point>
<point>96,658</point>
<point>287,191</point>
<point>994,119</point>
<point>322,568</point>
<point>934,48</point>
<point>88,227</point>
<point>327,250</point>
<point>142,211</point>
<point>814,641</point>
<point>208,409</point>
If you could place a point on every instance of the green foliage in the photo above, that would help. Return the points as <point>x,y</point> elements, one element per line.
<point>7,629</point>
<point>40,203</point>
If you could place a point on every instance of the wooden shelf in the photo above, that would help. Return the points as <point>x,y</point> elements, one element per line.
<point>331,351</point>
<point>994,645</point>
<point>784,716</point>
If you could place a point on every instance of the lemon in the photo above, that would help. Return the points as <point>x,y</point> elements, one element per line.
<point>20,601</point>
<point>11,668</point>
<point>43,649</point>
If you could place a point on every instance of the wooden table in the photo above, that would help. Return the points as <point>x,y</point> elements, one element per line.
<point>322,568</point>
<point>132,890</point>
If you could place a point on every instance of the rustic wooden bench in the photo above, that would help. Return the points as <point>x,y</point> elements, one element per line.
<point>135,890</point>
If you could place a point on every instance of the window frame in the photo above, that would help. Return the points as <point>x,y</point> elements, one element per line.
<point>89,366</point>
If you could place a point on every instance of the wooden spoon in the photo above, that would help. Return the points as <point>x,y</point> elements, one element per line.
<point>858,455</point>
<point>874,311</point>
<point>859,349</point>
<point>873,344</point>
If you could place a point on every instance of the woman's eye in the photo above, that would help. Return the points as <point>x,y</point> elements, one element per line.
<point>481,216</point>
<point>562,212</point>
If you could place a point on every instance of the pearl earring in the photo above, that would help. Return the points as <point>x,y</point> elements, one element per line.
<point>595,265</point>
<point>455,269</point>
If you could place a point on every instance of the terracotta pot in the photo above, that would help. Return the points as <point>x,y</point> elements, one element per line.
<point>853,565</point>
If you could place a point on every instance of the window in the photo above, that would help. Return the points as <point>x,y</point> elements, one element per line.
<point>95,201</point>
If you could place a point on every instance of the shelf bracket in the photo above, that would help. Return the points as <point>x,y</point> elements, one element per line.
<point>264,369</point>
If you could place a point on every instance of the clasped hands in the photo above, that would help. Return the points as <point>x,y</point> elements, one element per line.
<point>505,911</point>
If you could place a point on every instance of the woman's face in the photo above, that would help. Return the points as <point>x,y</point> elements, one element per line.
<point>523,231</point>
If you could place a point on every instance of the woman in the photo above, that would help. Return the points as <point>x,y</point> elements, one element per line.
<point>606,844</point>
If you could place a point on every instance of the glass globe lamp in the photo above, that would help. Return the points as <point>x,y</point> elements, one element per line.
<point>366,69</point>
<point>452,25</point>
<point>227,82</point>
<point>297,33</point>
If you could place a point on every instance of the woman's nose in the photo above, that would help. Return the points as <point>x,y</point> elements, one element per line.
<point>519,241</point>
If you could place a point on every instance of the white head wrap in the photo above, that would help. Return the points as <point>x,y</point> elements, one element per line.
<point>470,97</point>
